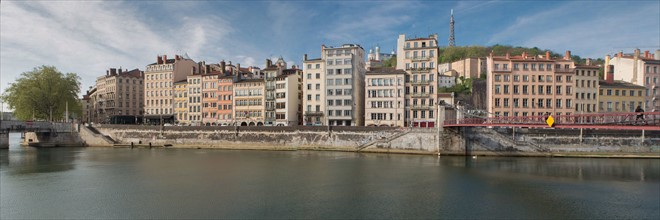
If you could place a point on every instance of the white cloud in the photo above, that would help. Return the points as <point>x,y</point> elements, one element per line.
<point>378,21</point>
<point>586,33</point>
<point>89,37</point>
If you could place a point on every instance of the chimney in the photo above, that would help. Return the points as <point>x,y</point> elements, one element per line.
<point>646,54</point>
<point>610,74</point>
<point>113,71</point>
<point>491,53</point>
<point>222,66</point>
<point>160,60</point>
<point>607,63</point>
<point>567,56</point>
<point>507,55</point>
<point>588,61</point>
<point>107,72</point>
<point>238,66</point>
<point>165,58</point>
<point>120,70</point>
<point>524,54</point>
<point>268,63</point>
<point>620,54</point>
<point>547,55</point>
<point>305,57</point>
<point>657,54</point>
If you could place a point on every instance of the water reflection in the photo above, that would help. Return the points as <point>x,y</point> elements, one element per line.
<point>573,168</point>
<point>26,160</point>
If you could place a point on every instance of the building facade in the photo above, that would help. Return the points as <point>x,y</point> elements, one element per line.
<point>468,68</point>
<point>181,102</point>
<point>417,56</point>
<point>288,98</point>
<point>530,85</point>
<point>225,97</point>
<point>210,98</point>
<point>618,95</point>
<point>314,108</point>
<point>385,97</point>
<point>159,79</point>
<point>271,71</point>
<point>585,88</point>
<point>639,69</point>
<point>119,96</point>
<point>335,90</point>
<point>195,99</point>
<point>249,102</point>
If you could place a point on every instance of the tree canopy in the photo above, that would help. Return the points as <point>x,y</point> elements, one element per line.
<point>44,89</point>
<point>391,62</point>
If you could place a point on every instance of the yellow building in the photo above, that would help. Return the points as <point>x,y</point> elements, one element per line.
<point>249,101</point>
<point>181,102</point>
<point>417,56</point>
<point>620,96</point>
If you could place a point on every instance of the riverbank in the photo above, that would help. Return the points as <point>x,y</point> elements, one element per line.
<point>471,142</point>
<point>647,155</point>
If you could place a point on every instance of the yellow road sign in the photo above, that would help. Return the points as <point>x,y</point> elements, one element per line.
<point>550,121</point>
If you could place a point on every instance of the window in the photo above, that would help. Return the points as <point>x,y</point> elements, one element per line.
<point>309,86</point>
<point>558,103</point>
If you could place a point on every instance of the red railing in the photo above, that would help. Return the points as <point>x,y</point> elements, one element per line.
<point>625,121</point>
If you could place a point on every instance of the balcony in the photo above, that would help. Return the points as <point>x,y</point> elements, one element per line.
<point>270,108</point>
<point>564,70</point>
<point>420,82</point>
<point>313,113</point>
<point>421,107</point>
<point>420,47</point>
<point>270,87</point>
<point>420,69</point>
<point>420,95</point>
<point>270,97</point>
<point>420,58</point>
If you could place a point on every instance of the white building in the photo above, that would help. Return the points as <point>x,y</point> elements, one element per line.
<point>639,69</point>
<point>343,85</point>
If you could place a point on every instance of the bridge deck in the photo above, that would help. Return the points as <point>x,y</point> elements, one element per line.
<point>611,121</point>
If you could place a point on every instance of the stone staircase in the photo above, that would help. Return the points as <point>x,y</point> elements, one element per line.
<point>97,134</point>
<point>516,143</point>
<point>382,140</point>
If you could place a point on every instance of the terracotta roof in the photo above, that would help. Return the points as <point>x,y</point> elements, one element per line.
<point>384,70</point>
<point>619,84</point>
<point>250,80</point>
<point>582,66</point>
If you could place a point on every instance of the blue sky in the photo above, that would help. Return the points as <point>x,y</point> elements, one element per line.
<point>88,37</point>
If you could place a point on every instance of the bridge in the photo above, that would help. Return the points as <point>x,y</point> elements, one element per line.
<point>607,121</point>
<point>43,130</point>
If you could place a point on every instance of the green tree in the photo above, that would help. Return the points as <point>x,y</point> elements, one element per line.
<point>391,62</point>
<point>43,92</point>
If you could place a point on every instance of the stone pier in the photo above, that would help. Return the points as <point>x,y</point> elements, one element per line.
<point>4,140</point>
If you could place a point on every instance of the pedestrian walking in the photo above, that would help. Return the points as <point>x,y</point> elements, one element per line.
<point>640,114</point>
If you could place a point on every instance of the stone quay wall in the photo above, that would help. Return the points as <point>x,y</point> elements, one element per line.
<point>447,141</point>
<point>296,137</point>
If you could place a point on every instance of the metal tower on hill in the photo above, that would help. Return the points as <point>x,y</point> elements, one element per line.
<point>451,29</point>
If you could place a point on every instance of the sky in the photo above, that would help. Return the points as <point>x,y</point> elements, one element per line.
<point>89,37</point>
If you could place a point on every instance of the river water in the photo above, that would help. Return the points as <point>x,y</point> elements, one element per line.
<point>92,183</point>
